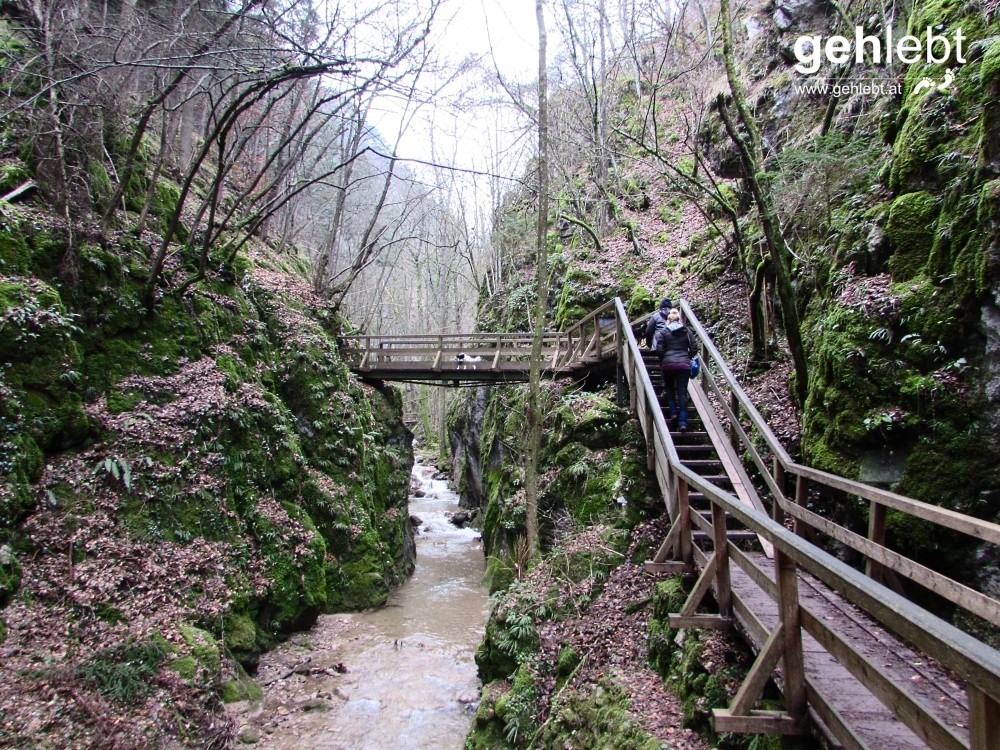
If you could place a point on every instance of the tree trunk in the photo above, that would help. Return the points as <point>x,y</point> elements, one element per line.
<point>541,287</point>
<point>752,156</point>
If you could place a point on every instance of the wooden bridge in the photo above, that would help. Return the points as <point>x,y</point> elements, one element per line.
<point>478,358</point>
<point>859,662</point>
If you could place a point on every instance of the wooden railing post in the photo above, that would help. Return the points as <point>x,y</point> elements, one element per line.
<point>650,437</point>
<point>876,533</point>
<point>621,383</point>
<point>984,720</point>
<point>778,472</point>
<point>734,404</point>
<point>634,390</point>
<point>788,603</point>
<point>684,516</point>
<point>723,592</point>
<point>801,499</point>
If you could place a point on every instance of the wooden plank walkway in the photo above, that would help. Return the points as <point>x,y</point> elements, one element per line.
<point>838,697</point>
<point>860,685</point>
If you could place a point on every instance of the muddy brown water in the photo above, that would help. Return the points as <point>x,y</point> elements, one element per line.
<point>401,676</point>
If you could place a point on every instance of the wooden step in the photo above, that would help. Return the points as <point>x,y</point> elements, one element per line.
<point>694,451</point>
<point>702,465</point>
<point>689,436</point>
<point>733,535</point>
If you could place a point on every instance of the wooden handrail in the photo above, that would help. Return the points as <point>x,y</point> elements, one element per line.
<point>974,661</point>
<point>985,530</point>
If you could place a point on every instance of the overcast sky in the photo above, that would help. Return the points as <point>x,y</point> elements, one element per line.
<point>465,133</point>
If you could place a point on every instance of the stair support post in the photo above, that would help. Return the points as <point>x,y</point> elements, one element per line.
<point>778,472</point>
<point>621,383</point>
<point>784,644</point>
<point>686,554</point>
<point>723,591</point>
<point>788,604</point>
<point>801,499</point>
<point>984,720</point>
<point>650,438</point>
<point>734,438</point>
<point>876,533</point>
<point>633,391</point>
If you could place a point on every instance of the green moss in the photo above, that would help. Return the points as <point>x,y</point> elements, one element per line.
<point>569,659</point>
<point>245,689</point>
<point>124,673</point>
<point>10,573</point>
<point>640,302</point>
<point>487,731</point>
<point>517,707</point>
<point>595,716</point>
<point>510,639</point>
<point>101,189</point>
<point>185,666</point>
<point>668,598</point>
<point>203,648</point>
<point>13,175</point>
<point>240,634</point>
<point>989,67</point>
<point>910,230</point>
<point>166,197</point>
<point>15,253</point>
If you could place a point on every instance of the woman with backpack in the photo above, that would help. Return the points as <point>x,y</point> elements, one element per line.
<point>676,345</point>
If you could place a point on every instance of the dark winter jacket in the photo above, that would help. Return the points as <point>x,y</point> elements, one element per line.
<point>676,345</point>
<point>656,321</point>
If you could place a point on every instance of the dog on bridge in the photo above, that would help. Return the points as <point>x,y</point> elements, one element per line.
<point>464,360</point>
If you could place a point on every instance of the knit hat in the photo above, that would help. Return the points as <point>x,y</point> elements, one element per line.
<point>666,304</point>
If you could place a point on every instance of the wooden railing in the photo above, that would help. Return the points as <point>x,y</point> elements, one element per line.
<point>881,562</point>
<point>590,340</point>
<point>973,661</point>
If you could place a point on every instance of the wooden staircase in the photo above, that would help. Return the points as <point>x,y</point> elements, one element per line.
<point>704,449</point>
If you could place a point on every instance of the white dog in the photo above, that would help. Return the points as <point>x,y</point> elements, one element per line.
<point>464,360</point>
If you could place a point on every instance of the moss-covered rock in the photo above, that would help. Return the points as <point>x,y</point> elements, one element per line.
<point>910,230</point>
<point>245,689</point>
<point>668,598</point>
<point>595,716</point>
<point>10,573</point>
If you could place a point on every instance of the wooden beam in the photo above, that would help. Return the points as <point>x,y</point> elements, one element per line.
<point>909,711</point>
<point>701,587</point>
<point>968,598</point>
<point>786,575</point>
<point>758,722</point>
<point>669,568</point>
<point>984,718</point>
<point>753,684</point>
<point>723,591</point>
<point>684,516</point>
<point>876,534</point>
<point>704,622</point>
<point>669,542</point>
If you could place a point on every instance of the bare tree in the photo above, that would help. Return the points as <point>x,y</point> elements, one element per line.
<point>534,406</point>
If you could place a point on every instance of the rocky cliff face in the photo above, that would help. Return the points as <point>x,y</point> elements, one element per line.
<point>465,432</point>
<point>180,486</point>
<point>887,188</point>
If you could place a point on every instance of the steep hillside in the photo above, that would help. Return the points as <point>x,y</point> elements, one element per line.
<point>182,485</point>
<point>886,195</point>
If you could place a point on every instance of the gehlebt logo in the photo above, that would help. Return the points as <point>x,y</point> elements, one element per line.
<point>933,47</point>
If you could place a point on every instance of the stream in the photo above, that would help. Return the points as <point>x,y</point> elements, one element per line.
<point>401,676</point>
